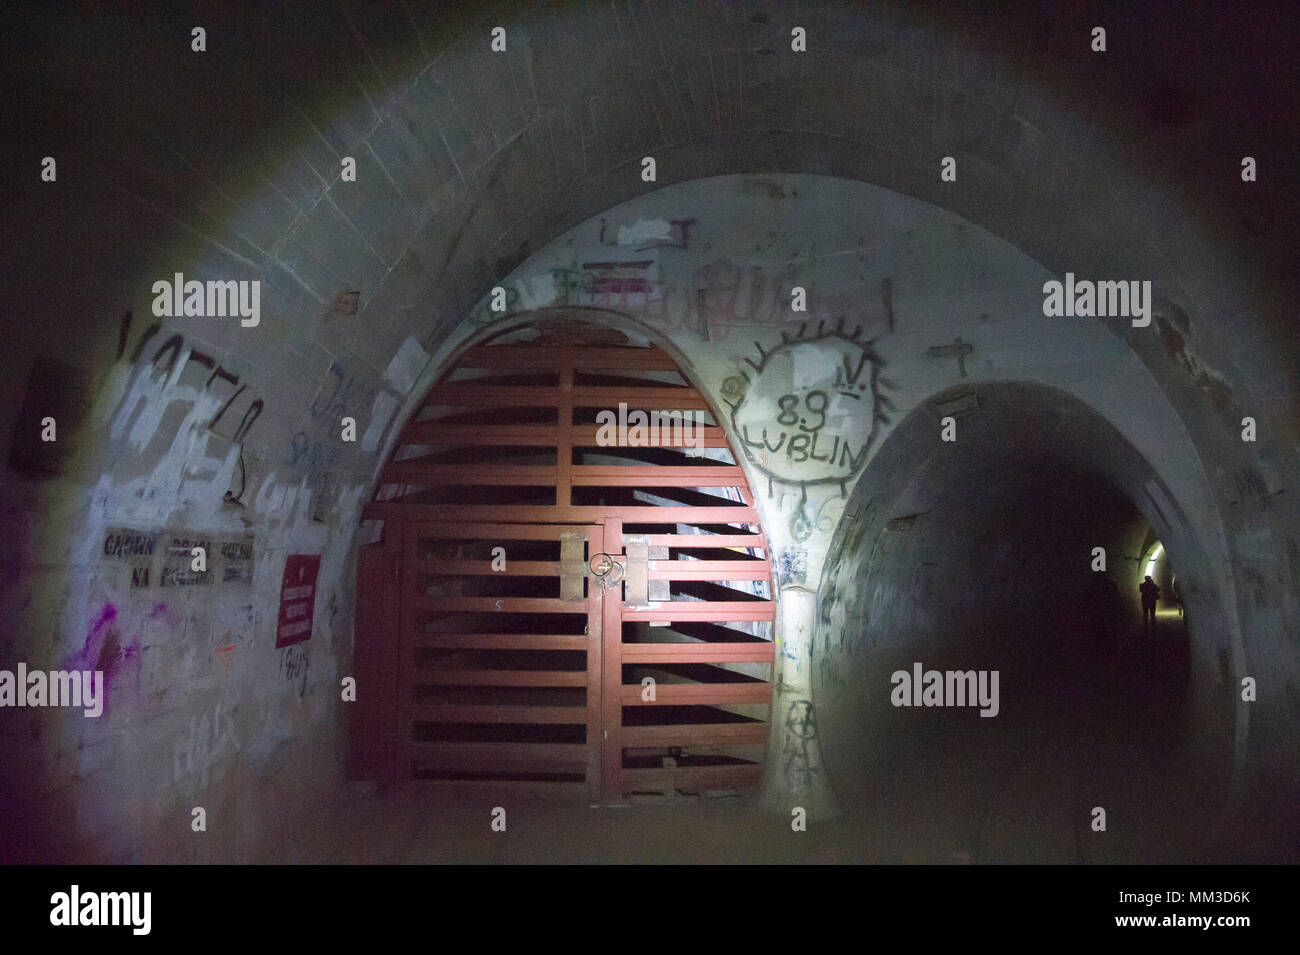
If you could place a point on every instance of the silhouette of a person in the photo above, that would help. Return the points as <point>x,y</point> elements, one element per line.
<point>1177,593</point>
<point>1150,593</point>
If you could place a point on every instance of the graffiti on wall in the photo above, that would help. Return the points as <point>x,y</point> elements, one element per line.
<point>314,453</point>
<point>105,650</point>
<point>156,558</point>
<point>295,661</point>
<point>808,410</point>
<point>800,744</point>
<point>206,742</point>
<point>719,296</point>
<point>236,410</point>
<point>213,398</point>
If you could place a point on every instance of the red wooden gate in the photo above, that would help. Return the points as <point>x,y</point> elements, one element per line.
<point>494,658</point>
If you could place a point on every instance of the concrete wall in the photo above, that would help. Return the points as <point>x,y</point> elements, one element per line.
<point>477,169</point>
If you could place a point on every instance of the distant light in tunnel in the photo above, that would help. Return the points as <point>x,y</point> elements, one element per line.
<point>1155,556</point>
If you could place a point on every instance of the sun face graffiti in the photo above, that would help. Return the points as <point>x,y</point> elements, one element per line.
<point>811,409</point>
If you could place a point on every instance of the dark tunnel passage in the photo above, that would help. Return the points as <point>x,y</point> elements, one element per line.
<point>986,559</point>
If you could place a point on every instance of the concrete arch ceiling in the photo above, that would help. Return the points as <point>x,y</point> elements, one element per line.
<point>477,169</point>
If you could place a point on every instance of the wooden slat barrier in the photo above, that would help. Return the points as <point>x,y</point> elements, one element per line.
<point>489,756</point>
<point>586,436</point>
<point>698,652</point>
<point>483,568</point>
<point>435,432</point>
<point>537,719</point>
<point>417,472</point>
<point>673,610</point>
<point>710,570</point>
<point>503,641</point>
<point>644,399</point>
<point>700,733</point>
<point>495,604</point>
<point>453,713</point>
<point>437,513</point>
<point>490,396</point>
<point>690,694</point>
<point>433,676</point>
<point>748,541</point>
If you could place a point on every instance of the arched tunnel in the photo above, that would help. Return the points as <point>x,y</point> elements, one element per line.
<point>982,322</point>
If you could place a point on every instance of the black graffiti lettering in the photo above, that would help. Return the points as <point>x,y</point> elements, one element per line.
<point>798,450</point>
<point>787,404</point>
<point>820,411</point>
<point>850,460</point>
<point>221,373</point>
<point>213,423</point>
<point>128,545</point>
<point>246,422</point>
<point>845,375</point>
<point>149,333</point>
<point>174,345</point>
<point>123,332</point>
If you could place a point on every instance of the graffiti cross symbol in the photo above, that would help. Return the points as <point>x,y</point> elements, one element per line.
<point>958,347</point>
<point>801,720</point>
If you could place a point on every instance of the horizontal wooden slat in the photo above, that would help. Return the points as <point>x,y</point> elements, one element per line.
<point>417,472</point>
<point>656,476</point>
<point>435,432</point>
<point>698,652</point>
<point>699,733</point>
<point>686,694</point>
<point>467,395</point>
<point>738,775</point>
<point>481,568</point>
<point>466,713</point>
<point>709,570</point>
<point>569,514</point>
<point>430,676</point>
<point>659,399</point>
<point>747,541</point>
<point>499,604</point>
<point>721,611</point>
<point>500,757</point>
<point>503,641</point>
<point>710,436</point>
<point>470,531</point>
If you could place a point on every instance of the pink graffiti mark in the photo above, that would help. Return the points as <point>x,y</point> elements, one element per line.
<point>104,651</point>
<point>158,611</point>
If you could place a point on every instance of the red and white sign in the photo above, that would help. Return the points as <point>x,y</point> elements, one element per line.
<point>297,599</point>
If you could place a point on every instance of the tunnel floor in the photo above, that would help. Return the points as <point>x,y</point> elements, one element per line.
<point>1020,795</point>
